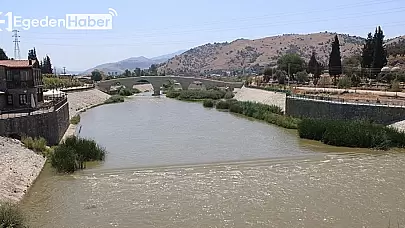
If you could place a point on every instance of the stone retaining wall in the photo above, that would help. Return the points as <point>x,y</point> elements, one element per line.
<point>50,125</point>
<point>311,108</point>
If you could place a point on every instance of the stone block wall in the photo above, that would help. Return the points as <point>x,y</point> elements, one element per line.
<point>49,125</point>
<point>310,108</point>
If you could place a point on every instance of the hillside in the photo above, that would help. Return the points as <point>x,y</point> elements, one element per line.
<point>260,52</point>
<point>132,63</point>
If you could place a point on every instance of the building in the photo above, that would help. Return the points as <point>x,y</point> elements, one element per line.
<point>20,85</point>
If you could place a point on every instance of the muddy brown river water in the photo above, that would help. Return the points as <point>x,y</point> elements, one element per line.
<point>177,164</point>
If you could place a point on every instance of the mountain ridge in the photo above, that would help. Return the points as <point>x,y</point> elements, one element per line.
<point>131,63</point>
<point>256,53</point>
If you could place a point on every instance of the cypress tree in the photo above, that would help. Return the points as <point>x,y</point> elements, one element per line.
<point>312,64</point>
<point>368,52</point>
<point>32,54</point>
<point>335,59</point>
<point>46,66</point>
<point>379,54</point>
<point>3,55</point>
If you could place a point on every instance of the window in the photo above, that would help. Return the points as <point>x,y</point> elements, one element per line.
<point>23,99</point>
<point>9,76</point>
<point>10,99</point>
<point>24,75</point>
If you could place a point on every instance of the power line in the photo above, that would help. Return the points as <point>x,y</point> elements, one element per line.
<point>285,23</point>
<point>268,16</point>
<point>163,43</point>
<point>17,54</point>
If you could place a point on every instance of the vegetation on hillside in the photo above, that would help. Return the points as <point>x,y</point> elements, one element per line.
<point>74,152</point>
<point>360,134</point>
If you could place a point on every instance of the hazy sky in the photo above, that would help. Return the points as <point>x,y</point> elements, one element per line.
<point>156,27</point>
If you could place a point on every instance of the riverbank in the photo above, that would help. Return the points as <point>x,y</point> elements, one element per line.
<point>19,167</point>
<point>261,96</point>
<point>80,102</point>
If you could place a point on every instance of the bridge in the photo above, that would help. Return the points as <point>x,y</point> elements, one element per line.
<point>158,81</point>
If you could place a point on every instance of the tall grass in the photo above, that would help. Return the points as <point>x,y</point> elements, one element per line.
<point>72,154</point>
<point>208,103</point>
<point>270,113</point>
<point>38,145</point>
<point>114,99</point>
<point>75,120</point>
<point>11,216</point>
<point>351,133</point>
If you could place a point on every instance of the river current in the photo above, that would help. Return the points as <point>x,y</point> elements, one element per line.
<point>177,164</point>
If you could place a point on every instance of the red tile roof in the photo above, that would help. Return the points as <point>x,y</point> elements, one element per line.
<point>17,63</point>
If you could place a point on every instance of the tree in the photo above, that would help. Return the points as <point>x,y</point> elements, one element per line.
<point>46,66</point>
<point>137,72</point>
<point>335,59</point>
<point>312,64</point>
<point>291,63</point>
<point>368,52</point>
<point>153,69</point>
<point>32,54</point>
<point>268,73</point>
<point>96,76</point>
<point>302,76</point>
<point>379,54</point>
<point>127,73</point>
<point>281,76</point>
<point>3,55</point>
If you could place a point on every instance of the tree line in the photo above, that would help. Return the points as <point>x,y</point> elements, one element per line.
<point>367,65</point>
<point>45,64</point>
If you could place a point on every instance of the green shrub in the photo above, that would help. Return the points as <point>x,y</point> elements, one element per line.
<point>74,152</point>
<point>38,145</point>
<point>128,92</point>
<point>311,129</point>
<point>344,83</point>
<point>269,113</point>
<point>351,133</point>
<point>395,86</point>
<point>114,99</point>
<point>11,216</point>
<point>208,103</point>
<point>75,120</point>
<point>228,95</point>
<point>173,94</point>
<point>223,105</point>
<point>191,95</point>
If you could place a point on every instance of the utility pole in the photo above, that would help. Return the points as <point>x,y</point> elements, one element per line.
<point>17,54</point>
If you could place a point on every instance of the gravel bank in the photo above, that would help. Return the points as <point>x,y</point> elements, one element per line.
<point>19,167</point>
<point>261,96</point>
<point>85,99</point>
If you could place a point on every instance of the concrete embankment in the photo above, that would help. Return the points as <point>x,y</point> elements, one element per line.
<point>261,96</point>
<point>19,167</point>
<point>81,101</point>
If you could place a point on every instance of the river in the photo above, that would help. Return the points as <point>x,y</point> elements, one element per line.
<point>177,164</point>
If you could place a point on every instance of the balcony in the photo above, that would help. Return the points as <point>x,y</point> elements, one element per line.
<point>20,84</point>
